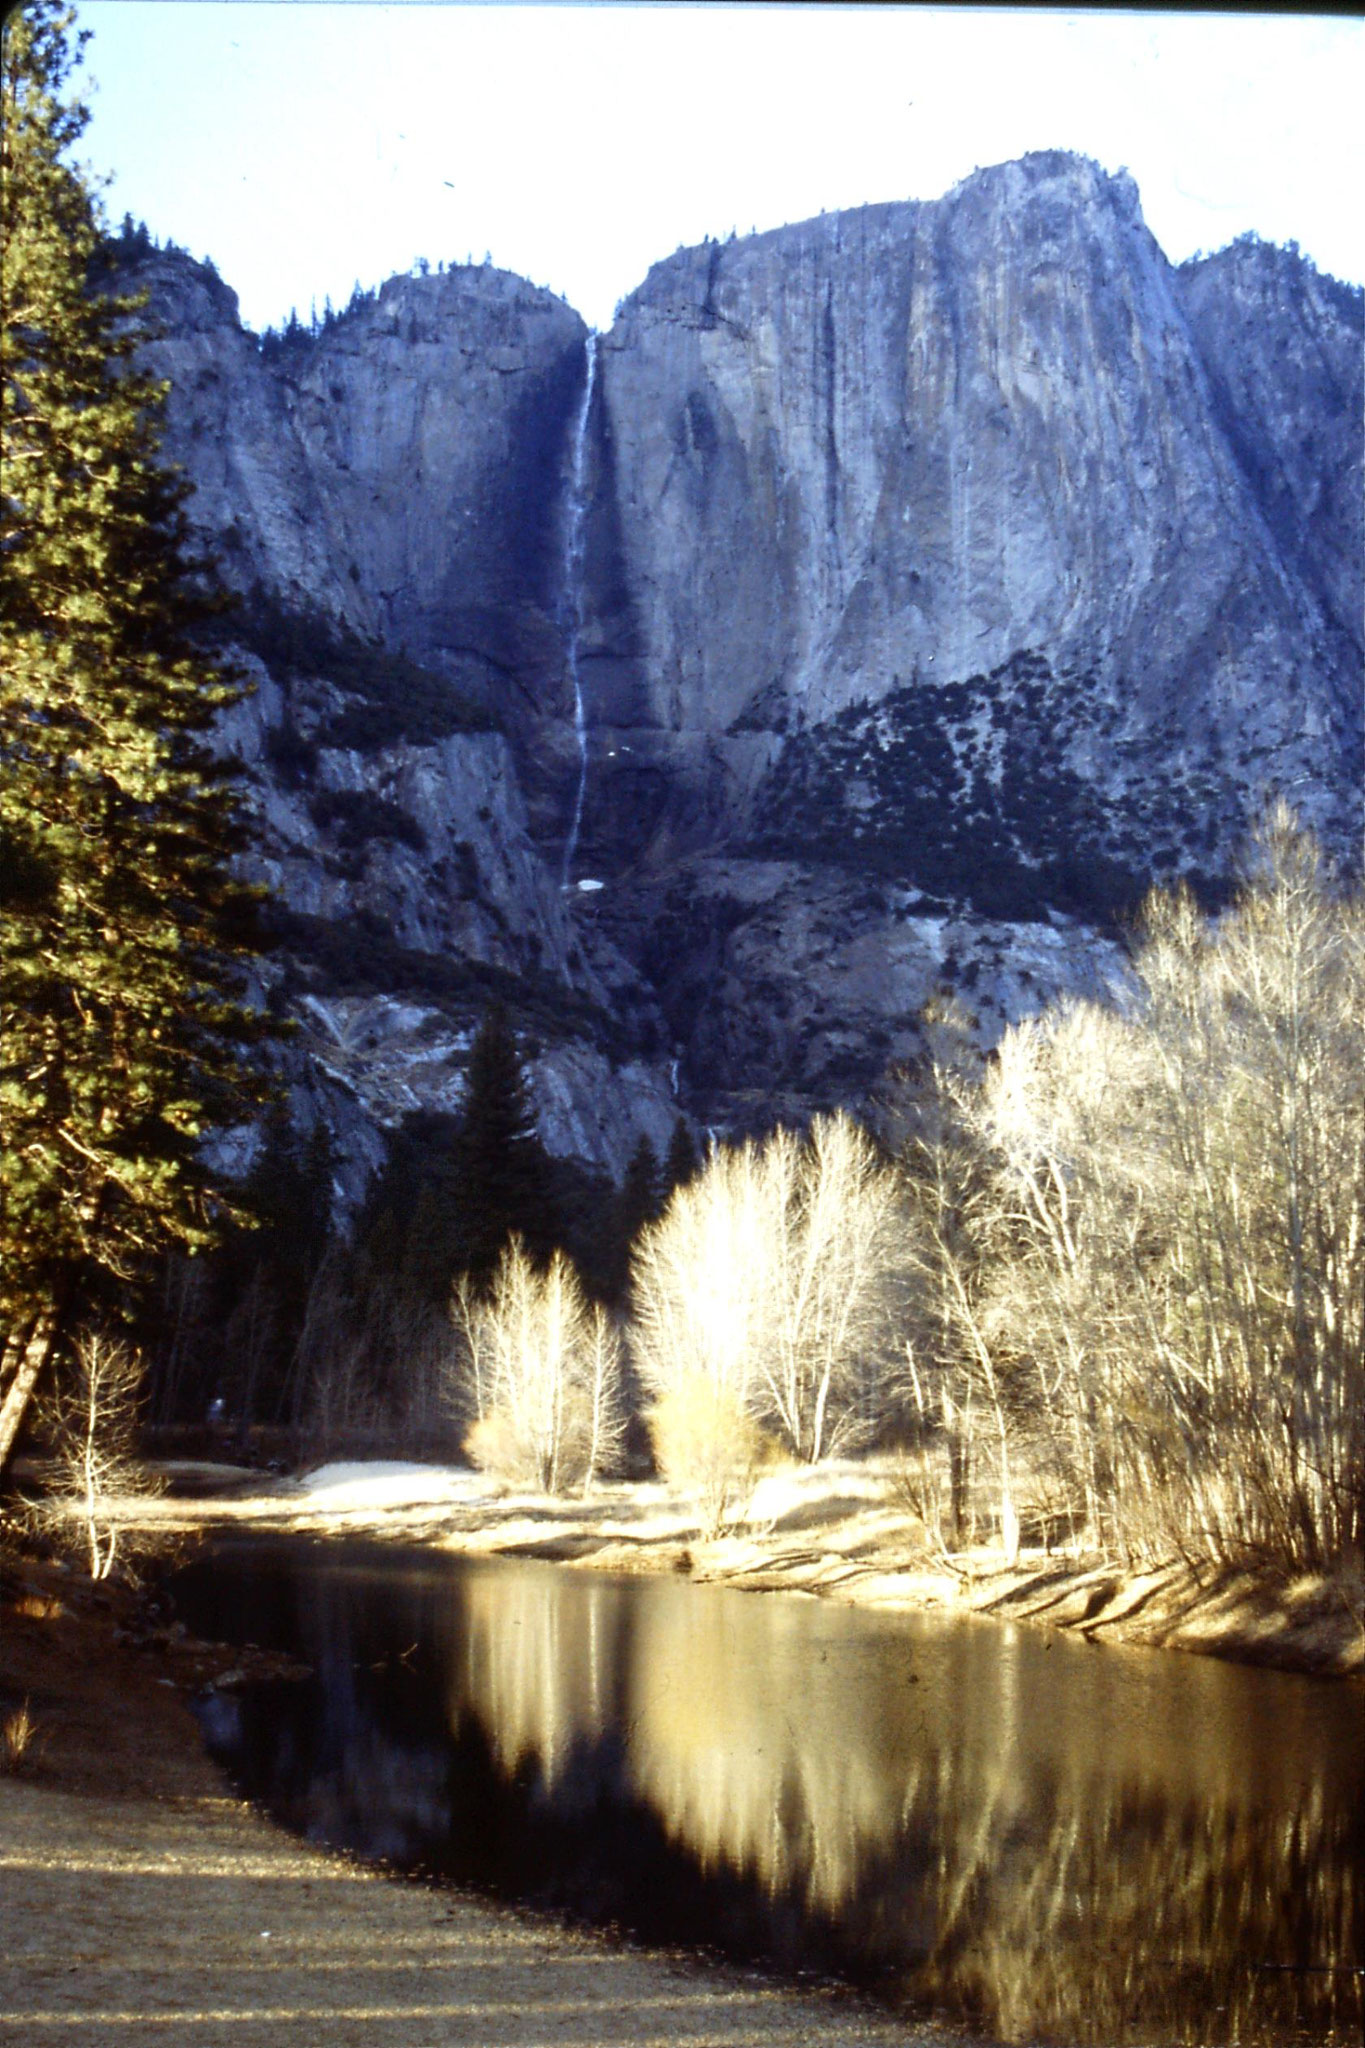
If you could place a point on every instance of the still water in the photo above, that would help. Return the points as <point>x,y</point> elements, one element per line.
<point>1046,1840</point>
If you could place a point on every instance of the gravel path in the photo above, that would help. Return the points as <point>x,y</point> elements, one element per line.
<point>135,1923</point>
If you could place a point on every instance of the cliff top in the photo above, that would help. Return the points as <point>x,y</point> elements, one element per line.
<point>194,295</point>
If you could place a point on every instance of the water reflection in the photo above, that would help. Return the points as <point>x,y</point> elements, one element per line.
<point>536,1671</point>
<point>1053,1841</point>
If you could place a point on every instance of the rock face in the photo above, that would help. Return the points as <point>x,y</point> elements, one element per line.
<point>862,460</point>
<point>402,473</point>
<point>389,496</point>
<point>938,574</point>
<point>1282,348</point>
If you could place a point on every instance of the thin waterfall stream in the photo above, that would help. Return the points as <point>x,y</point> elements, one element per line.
<point>574,548</point>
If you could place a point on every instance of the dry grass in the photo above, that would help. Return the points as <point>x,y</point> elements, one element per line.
<point>37,1607</point>
<point>18,1746</point>
<point>709,1448</point>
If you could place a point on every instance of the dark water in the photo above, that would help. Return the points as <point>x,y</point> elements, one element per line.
<point>1048,1840</point>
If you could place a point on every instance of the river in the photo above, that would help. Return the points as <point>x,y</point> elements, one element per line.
<point>1016,1831</point>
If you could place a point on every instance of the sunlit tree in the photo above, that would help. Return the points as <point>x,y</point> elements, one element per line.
<point>836,1253</point>
<point>1173,1250</point>
<point>123,929</point>
<point>762,1307</point>
<point>93,1422</point>
<point>961,1376</point>
<point>537,1368</point>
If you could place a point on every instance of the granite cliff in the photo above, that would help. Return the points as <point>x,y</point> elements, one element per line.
<point>928,578</point>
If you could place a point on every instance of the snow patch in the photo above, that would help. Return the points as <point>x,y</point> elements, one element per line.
<point>380,1483</point>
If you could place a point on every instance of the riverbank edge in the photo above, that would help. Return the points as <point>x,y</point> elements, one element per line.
<point>134,1885</point>
<point>829,1534</point>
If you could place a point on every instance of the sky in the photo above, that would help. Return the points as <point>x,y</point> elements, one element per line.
<point>307,148</point>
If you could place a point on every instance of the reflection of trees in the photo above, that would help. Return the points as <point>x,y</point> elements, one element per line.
<point>751,1770</point>
<point>534,1655</point>
<point>1067,1846</point>
<point>1042,1888</point>
<point>1091,1846</point>
<point>1125,1913</point>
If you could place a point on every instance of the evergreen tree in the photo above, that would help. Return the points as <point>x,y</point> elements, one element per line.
<point>641,1194</point>
<point>639,1201</point>
<point>681,1161</point>
<point>502,1176</point>
<point>289,1196</point>
<point>124,933</point>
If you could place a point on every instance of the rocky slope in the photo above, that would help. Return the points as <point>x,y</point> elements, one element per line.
<point>934,575</point>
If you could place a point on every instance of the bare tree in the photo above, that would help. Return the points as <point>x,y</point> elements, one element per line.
<point>702,1278</point>
<point>837,1253</point>
<point>1186,1184</point>
<point>1261,1106</point>
<point>763,1301</point>
<point>962,1376</point>
<point>702,1283</point>
<point>537,1374</point>
<point>93,1425</point>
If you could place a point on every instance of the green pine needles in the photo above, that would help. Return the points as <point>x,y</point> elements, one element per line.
<point>124,932</point>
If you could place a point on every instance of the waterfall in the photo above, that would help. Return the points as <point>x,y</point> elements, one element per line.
<point>573,594</point>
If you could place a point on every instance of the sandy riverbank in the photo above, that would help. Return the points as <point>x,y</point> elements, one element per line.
<point>836,1531</point>
<point>142,1904</point>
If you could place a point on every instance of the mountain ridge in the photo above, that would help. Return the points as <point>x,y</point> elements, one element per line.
<point>950,570</point>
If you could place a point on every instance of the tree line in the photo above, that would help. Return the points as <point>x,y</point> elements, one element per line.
<point>1109,1282</point>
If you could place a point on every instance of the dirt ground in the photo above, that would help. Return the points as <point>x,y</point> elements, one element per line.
<point>142,1903</point>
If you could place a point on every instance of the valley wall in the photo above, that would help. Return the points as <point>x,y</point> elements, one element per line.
<point>949,571</point>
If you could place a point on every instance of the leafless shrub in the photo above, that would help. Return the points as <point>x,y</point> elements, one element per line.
<point>709,1447</point>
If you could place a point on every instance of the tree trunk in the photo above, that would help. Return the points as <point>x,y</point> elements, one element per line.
<point>957,1485</point>
<point>32,1362</point>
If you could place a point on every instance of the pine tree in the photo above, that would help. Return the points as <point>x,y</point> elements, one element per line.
<point>124,932</point>
<point>273,1263</point>
<point>641,1194</point>
<point>639,1200</point>
<point>501,1181</point>
<point>681,1161</point>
